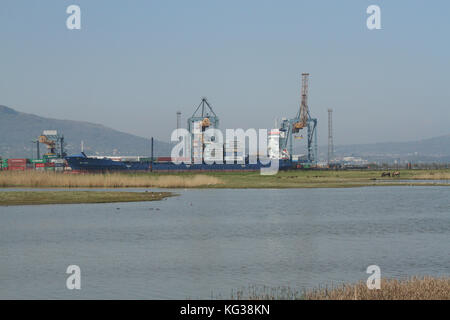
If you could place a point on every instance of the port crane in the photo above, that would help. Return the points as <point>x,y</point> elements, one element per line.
<point>303,119</point>
<point>203,118</point>
<point>54,142</point>
<point>205,115</point>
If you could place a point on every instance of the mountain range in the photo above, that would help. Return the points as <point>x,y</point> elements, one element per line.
<point>18,129</point>
<point>435,149</point>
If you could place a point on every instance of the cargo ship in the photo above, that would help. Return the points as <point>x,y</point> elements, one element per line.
<point>228,156</point>
<point>82,163</point>
<point>231,156</point>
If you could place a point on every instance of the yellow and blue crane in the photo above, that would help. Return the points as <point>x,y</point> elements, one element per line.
<point>303,120</point>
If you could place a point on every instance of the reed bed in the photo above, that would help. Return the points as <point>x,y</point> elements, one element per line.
<point>35,179</point>
<point>265,293</point>
<point>415,288</point>
<point>433,176</point>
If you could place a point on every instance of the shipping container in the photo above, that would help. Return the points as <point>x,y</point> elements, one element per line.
<point>16,168</point>
<point>50,156</point>
<point>17,162</point>
<point>180,159</point>
<point>59,160</point>
<point>38,161</point>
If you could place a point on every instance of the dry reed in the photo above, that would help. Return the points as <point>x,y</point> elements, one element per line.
<point>415,288</point>
<point>37,179</point>
<point>433,176</point>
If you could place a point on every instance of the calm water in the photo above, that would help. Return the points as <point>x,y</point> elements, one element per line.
<point>208,242</point>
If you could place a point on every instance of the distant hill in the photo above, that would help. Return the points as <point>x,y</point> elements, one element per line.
<point>428,150</point>
<point>18,129</point>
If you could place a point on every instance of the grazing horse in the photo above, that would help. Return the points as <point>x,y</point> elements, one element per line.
<point>386,174</point>
<point>396,174</point>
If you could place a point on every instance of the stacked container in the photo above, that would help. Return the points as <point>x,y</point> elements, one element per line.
<point>4,164</point>
<point>40,166</point>
<point>17,164</point>
<point>50,166</point>
<point>58,164</point>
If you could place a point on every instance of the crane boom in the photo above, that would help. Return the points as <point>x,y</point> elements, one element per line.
<point>304,104</point>
<point>302,120</point>
<point>302,116</point>
<point>50,143</point>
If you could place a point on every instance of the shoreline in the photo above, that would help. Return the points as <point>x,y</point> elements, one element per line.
<point>21,198</point>
<point>299,179</point>
<point>307,186</point>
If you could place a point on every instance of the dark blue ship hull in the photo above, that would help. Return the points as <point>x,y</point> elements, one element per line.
<point>83,163</point>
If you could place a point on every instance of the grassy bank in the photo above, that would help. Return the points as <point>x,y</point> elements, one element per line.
<point>67,197</point>
<point>284,179</point>
<point>328,179</point>
<point>35,179</point>
<point>416,288</point>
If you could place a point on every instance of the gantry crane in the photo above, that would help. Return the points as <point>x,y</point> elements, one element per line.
<point>54,142</point>
<point>205,115</point>
<point>302,120</point>
<point>202,119</point>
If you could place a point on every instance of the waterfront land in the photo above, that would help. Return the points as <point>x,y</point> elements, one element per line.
<point>284,179</point>
<point>69,197</point>
<point>415,288</point>
<point>331,179</point>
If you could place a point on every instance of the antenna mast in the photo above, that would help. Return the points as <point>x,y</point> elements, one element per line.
<point>330,136</point>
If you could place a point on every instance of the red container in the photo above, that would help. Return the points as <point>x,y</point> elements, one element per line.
<point>180,159</point>
<point>40,165</point>
<point>161,159</point>
<point>17,162</point>
<point>16,168</point>
<point>49,165</point>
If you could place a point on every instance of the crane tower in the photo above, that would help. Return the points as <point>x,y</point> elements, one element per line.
<point>330,136</point>
<point>303,120</point>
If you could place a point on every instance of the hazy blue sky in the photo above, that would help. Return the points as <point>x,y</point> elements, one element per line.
<point>135,63</point>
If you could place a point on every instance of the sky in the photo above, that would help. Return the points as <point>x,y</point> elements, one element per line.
<point>133,64</point>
